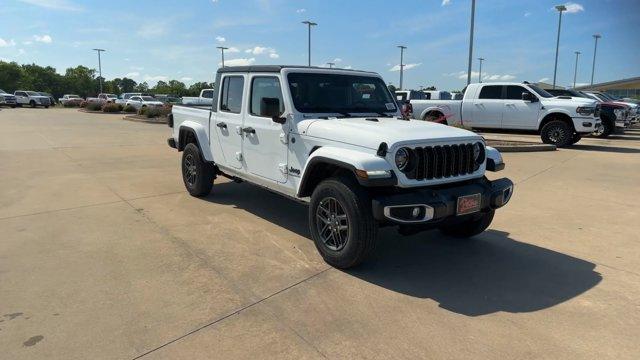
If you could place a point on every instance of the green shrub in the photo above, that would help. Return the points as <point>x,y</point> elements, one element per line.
<point>129,109</point>
<point>94,106</point>
<point>111,108</point>
<point>69,104</point>
<point>158,111</point>
<point>142,110</point>
<point>83,104</point>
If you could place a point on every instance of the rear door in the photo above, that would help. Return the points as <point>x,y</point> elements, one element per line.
<point>488,107</point>
<point>229,117</point>
<point>518,113</point>
<point>265,141</point>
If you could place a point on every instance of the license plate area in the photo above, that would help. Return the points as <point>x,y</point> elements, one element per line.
<point>468,204</point>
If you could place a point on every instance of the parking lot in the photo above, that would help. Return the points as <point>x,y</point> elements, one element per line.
<point>105,255</point>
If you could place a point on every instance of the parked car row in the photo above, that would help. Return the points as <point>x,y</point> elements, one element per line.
<point>561,117</point>
<point>137,100</point>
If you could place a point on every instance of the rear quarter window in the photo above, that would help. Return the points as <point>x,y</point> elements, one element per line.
<point>491,92</point>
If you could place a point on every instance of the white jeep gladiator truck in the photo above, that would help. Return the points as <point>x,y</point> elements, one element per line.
<point>515,106</point>
<point>332,138</point>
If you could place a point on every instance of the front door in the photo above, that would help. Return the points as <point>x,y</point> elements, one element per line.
<point>265,141</point>
<point>228,119</point>
<point>488,107</point>
<point>518,113</point>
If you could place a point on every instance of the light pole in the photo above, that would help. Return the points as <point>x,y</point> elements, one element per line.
<point>330,65</point>
<point>560,9</point>
<point>402,47</point>
<point>480,72</point>
<point>575,71</point>
<point>100,66</point>
<point>222,49</point>
<point>309,25</point>
<point>595,48</point>
<point>473,14</point>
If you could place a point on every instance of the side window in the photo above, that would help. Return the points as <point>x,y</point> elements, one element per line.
<point>231,96</point>
<point>491,92</point>
<point>207,94</point>
<point>427,96</point>
<point>264,87</point>
<point>515,92</point>
<point>401,96</point>
<point>21,93</point>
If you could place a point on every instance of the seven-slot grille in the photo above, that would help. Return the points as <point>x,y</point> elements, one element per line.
<point>436,162</point>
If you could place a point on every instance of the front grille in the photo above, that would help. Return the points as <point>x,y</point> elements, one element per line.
<point>442,161</point>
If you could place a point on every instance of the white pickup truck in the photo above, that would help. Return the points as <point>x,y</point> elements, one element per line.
<point>515,106</point>
<point>205,98</point>
<point>332,138</point>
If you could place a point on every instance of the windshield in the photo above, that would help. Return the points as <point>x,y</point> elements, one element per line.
<point>148,98</point>
<point>608,97</point>
<point>540,91</point>
<point>73,97</point>
<point>338,93</point>
<point>2,91</point>
<point>32,93</point>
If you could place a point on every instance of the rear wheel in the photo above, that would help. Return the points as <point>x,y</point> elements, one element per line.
<point>341,222</point>
<point>197,174</point>
<point>557,132</point>
<point>471,227</point>
<point>32,103</point>
<point>434,117</point>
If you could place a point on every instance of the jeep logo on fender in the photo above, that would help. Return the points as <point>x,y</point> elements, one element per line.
<point>293,170</point>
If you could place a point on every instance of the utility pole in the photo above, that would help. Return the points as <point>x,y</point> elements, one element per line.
<point>560,9</point>
<point>575,70</point>
<point>480,72</point>
<point>100,66</point>
<point>331,65</point>
<point>595,48</point>
<point>473,14</point>
<point>222,49</point>
<point>309,25</point>
<point>402,47</point>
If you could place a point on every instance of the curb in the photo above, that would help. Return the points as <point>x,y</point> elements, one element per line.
<point>137,118</point>
<point>524,147</point>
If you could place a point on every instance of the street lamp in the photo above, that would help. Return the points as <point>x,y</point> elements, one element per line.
<point>402,47</point>
<point>222,49</point>
<point>595,48</point>
<point>560,9</point>
<point>473,14</point>
<point>100,66</point>
<point>575,71</point>
<point>309,25</point>
<point>330,65</point>
<point>480,72</point>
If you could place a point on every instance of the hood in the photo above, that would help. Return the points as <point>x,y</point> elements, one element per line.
<point>359,131</point>
<point>573,102</point>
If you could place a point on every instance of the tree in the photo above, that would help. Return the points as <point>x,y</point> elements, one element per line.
<point>430,88</point>
<point>194,89</point>
<point>10,76</point>
<point>127,85</point>
<point>80,80</point>
<point>391,88</point>
<point>143,87</point>
<point>38,78</point>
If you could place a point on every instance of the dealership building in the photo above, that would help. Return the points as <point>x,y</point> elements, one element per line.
<point>625,88</point>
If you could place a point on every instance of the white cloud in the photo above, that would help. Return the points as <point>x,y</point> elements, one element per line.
<point>186,78</point>
<point>220,39</point>
<point>155,78</point>
<point>497,77</point>
<point>28,42</point>
<point>527,14</point>
<point>5,43</point>
<point>274,55</point>
<point>406,66</point>
<point>445,2</point>
<point>572,8</point>
<point>133,74</point>
<point>232,50</point>
<point>43,39</point>
<point>214,1</point>
<point>300,11</point>
<point>55,4</point>
<point>543,79</point>
<point>150,30</point>
<point>21,52</point>
<point>257,50</point>
<point>347,67</point>
<point>462,75</point>
<point>337,60</point>
<point>239,62</point>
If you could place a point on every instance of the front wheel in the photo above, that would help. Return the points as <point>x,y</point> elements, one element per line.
<point>557,132</point>
<point>604,130</point>
<point>341,222</point>
<point>471,227</point>
<point>197,175</point>
<point>576,137</point>
<point>32,103</point>
<point>46,106</point>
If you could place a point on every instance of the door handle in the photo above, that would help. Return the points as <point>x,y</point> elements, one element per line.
<point>221,125</point>
<point>249,130</point>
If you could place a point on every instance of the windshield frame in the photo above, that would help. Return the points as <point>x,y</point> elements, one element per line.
<point>358,77</point>
<point>540,91</point>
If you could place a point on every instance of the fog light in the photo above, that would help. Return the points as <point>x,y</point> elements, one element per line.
<point>415,212</point>
<point>587,124</point>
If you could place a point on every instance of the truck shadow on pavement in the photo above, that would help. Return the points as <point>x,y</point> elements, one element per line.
<point>605,148</point>
<point>489,273</point>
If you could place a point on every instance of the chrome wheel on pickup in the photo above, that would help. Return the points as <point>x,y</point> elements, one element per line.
<point>557,132</point>
<point>341,222</point>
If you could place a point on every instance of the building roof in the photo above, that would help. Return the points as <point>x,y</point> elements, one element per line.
<point>544,85</point>
<point>277,68</point>
<point>611,84</point>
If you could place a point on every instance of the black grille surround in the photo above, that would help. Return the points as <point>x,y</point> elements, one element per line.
<point>442,162</point>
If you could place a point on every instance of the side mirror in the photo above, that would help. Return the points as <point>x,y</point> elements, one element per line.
<point>527,96</point>
<point>270,107</point>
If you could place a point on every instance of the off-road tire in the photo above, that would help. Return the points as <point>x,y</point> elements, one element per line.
<point>607,129</point>
<point>198,184</point>
<point>557,132</point>
<point>362,227</point>
<point>471,227</point>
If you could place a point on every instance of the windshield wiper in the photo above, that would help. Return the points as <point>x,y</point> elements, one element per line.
<point>365,110</point>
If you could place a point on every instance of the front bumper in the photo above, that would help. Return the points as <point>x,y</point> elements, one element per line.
<point>586,125</point>
<point>439,204</point>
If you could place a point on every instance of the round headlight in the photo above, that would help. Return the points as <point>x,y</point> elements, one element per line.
<point>403,157</point>
<point>478,153</point>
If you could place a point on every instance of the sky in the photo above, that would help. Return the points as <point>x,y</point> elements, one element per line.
<point>162,40</point>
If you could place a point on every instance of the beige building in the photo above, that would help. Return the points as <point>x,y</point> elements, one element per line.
<point>625,88</point>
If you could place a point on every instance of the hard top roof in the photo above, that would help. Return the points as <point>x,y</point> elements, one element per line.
<point>277,68</point>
